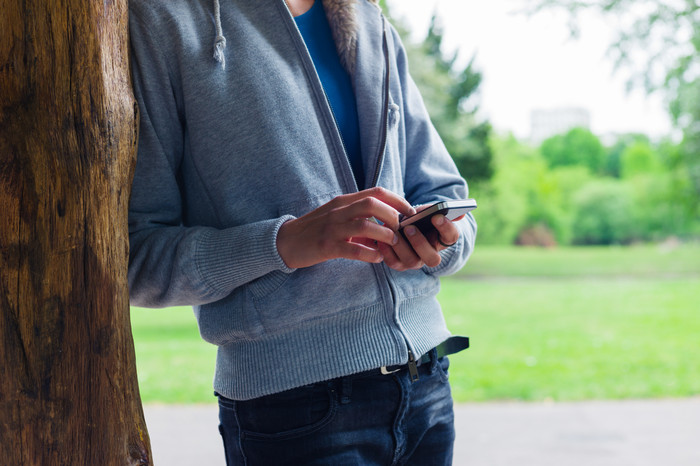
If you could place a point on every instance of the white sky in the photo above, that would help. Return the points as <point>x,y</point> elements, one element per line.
<point>532,63</point>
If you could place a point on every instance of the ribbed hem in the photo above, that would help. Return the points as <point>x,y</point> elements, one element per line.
<point>422,320</point>
<point>228,258</point>
<point>344,344</point>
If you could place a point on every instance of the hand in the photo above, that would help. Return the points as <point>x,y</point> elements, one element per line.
<point>419,250</point>
<point>343,228</point>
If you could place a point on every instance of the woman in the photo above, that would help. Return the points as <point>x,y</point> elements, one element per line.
<point>272,170</point>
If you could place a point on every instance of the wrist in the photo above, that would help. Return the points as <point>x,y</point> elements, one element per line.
<point>283,243</point>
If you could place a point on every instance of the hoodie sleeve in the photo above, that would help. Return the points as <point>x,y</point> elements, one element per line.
<point>431,174</point>
<point>171,263</point>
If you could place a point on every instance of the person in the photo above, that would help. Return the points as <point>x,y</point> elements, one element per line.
<point>280,142</point>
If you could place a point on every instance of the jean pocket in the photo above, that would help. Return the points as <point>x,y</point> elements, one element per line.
<point>288,415</point>
<point>442,367</point>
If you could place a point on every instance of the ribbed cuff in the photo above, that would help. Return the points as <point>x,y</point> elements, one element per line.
<point>226,259</point>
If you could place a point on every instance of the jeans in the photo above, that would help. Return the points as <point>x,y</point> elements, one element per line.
<point>363,419</point>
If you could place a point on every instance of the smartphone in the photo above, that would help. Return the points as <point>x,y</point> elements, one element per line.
<point>450,209</point>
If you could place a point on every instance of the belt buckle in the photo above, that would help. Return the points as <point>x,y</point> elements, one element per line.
<point>385,371</point>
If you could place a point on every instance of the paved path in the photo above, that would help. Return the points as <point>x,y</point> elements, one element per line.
<point>597,433</point>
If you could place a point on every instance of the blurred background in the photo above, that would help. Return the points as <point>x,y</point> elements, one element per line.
<point>577,126</point>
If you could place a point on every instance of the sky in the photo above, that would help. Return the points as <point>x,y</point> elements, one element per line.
<point>532,63</point>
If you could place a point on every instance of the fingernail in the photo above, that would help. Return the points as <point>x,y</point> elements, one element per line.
<point>410,231</point>
<point>395,240</point>
<point>439,219</point>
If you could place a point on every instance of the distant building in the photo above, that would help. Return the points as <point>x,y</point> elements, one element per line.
<point>547,123</point>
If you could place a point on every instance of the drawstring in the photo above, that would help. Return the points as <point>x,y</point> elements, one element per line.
<point>220,42</point>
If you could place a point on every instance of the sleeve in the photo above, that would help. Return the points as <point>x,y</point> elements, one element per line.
<point>431,174</point>
<point>170,263</point>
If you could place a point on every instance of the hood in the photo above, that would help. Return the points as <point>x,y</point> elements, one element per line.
<point>341,18</point>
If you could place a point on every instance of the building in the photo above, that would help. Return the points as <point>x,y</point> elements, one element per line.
<point>550,122</point>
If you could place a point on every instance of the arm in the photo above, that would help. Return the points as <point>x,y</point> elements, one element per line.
<point>171,263</point>
<point>431,175</point>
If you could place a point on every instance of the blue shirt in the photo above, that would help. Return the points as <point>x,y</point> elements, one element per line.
<point>316,32</point>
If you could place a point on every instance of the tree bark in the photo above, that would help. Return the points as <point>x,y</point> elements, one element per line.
<point>68,131</point>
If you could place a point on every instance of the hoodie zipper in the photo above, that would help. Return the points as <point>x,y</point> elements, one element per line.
<point>308,62</point>
<point>385,107</point>
<point>412,363</point>
<point>309,65</point>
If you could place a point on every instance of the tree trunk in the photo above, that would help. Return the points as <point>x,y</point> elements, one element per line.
<point>68,387</point>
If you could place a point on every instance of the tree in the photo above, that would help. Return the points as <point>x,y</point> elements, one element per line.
<point>639,159</point>
<point>450,94</point>
<point>613,158</point>
<point>68,387</point>
<point>603,214</point>
<point>658,44</point>
<point>578,146</point>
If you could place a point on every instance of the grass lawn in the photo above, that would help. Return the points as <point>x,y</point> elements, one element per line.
<point>561,324</point>
<point>174,364</point>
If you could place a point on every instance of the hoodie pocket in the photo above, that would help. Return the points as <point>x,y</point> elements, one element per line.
<point>266,285</point>
<point>283,300</point>
<point>316,293</point>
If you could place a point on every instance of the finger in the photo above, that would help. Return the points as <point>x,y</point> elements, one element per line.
<point>390,257</point>
<point>447,231</point>
<point>422,247</point>
<point>363,228</point>
<point>392,199</point>
<point>405,253</point>
<point>387,197</point>
<point>369,207</point>
<point>359,252</point>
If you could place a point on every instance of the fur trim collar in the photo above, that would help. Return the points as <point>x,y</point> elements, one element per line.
<point>341,18</point>
<point>343,22</point>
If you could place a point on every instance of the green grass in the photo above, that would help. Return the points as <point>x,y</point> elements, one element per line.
<point>561,324</point>
<point>534,339</point>
<point>174,364</point>
<point>648,260</point>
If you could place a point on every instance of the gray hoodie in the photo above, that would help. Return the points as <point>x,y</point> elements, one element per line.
<point>228,154</point>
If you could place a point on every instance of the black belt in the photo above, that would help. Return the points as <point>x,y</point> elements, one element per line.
<point>450,346</point>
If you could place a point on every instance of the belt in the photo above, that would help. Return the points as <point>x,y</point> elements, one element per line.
<point>450,346</point>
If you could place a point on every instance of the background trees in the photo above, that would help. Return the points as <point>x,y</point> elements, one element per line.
<point>450,93</point>
<point>658,47</point>
<point>574,188</point>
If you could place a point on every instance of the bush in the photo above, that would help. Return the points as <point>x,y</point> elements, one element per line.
<point>504,202</point>
<point>603,214</point>
<point>577,147</point>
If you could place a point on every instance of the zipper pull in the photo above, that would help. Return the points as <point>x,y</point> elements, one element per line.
<point>412,368</point>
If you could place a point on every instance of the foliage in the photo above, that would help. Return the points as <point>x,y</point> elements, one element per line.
<point>576,147</point>
<point>529,202</point>
<point>658,44</point>
<point>603,214</point>
<point>504,201</point>
<point>613,156</point>
<point>450,94</point>
<point>571,189</point>
<point>639,158</point>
